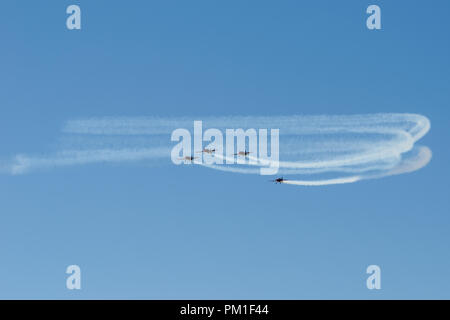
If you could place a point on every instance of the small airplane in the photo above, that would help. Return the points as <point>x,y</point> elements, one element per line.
<point>209,151</point>
<point>278,180</point>
<point>188,158</point>
<point>242,153</point>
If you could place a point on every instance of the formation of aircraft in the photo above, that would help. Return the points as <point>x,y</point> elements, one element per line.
<point>241,153</point>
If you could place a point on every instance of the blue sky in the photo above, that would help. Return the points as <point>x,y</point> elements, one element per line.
<point>140,231</point>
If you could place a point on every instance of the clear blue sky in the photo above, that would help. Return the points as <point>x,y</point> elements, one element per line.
<point>166,232</point>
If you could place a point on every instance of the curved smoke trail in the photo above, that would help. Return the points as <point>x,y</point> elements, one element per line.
<point>354,147</point>
<point>378,146</point>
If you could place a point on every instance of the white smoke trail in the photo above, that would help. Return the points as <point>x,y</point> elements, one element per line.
<point>359,146</point>
<point>380,158</point>
<point>23,163</point>
<point>323,182</point>
<point>418,161</point>
<point>297,124</point>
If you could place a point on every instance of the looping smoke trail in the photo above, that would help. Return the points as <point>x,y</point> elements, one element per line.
<point>357,147</point>
<point>416,162</point>
<point>372,146</point>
